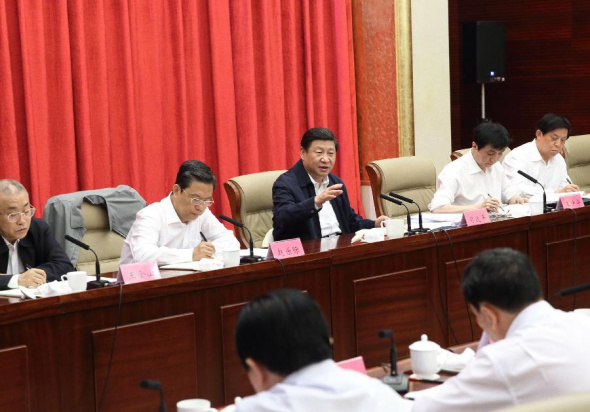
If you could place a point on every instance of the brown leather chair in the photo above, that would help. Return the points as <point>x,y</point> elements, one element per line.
<point>413,177</point>
<point>106,243</point>
<point>577,159</point>
<point>250,199</point>
<point>84,215</point>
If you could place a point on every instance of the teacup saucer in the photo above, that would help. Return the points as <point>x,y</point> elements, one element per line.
<point>433,377</point>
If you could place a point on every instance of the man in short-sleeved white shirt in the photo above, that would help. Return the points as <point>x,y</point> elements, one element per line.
<point>541,159</point>
<point>538,351</point>
<point>477,180</point>
<point>172,230</point>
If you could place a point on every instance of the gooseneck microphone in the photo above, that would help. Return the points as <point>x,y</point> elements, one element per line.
<point>98,283</point>
<point>573,290</point>
<point>397,381</point>
<point>408,200</point>
<point>244,259</point>
<point>397,202</point>
<point>155,385</point>
<point>532,179</point>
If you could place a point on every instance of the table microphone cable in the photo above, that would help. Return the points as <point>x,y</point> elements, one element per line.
<point>440,295</point>
<point>118,318</point>
<point>459,279</point>
<point>574,263</point>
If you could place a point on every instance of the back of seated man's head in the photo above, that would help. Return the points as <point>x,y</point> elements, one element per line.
<point>318,133</point>
<point>552,121</point>
<point>281,332</point>
<point>504,278</point>
<point>491,133</point>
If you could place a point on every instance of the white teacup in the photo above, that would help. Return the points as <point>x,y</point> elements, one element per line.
<point>424,357</point>
<point>76,280</point>
<point>231,258</point>
<point>394,228</point>
<point>374,235</point>
<point>194,405</point>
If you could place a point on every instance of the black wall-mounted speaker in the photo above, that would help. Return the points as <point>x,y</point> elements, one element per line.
<point>484,51</point>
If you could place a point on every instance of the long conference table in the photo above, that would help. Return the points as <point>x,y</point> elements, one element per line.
<point>55,352</point>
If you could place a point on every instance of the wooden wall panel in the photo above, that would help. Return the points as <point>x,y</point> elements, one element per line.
<point>547,66</point>
<point>567,266</point>
<point>235,379</point>
<point>462,325</point>
<point>397,301</point>
<point>14,377</point>
<point>162,349</point>
<point>367,261</point>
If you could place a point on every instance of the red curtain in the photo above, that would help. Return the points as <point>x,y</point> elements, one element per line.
<point>105,92</point>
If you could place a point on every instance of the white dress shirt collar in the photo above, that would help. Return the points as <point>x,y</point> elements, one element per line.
<point>473,166</point>
<point>15,265</point>
<point>530,315</point>
<point>328,220</point>
<point>535,154</point>
<point>171,215</point>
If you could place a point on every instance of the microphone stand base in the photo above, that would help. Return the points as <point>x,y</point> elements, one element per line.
<point>245,260</point>
<point>97,284</point>
<point>421,230</point>
<point>398,383</point>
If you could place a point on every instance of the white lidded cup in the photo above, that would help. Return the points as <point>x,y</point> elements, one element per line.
<point>231,258</point>
<point>76,280</point>
<point>394,228</point>
<point>424,357</point>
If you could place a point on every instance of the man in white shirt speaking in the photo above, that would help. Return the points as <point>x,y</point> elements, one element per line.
<point>180,228</point>
<point>476,180</point>
<point>538,351</point>
<point>542,159</point>
<point>283,341</point>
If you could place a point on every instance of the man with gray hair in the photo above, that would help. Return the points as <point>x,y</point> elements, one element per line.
<point>29,254</point>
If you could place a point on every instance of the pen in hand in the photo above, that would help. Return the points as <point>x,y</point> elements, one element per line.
<point>499,205</point>
<point>203,237</point>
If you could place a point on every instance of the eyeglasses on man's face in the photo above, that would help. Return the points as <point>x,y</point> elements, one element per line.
<point>16,216</point>
<point>198,202</point>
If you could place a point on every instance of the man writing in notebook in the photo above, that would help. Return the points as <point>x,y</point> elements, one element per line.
<point>29,254</point>
<point>477,179</point>
<point>541,159</point>
<point>180,228</point>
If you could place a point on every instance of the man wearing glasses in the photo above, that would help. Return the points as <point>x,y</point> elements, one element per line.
<point>180,228</point>
<point>29,253</point>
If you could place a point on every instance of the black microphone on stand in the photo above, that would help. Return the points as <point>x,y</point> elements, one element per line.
<point>397,381</point>
<point>573,290</point>
<point>408,200</point>
<point>98,283</point>
<point>397,202</point>
<point>156,385</point>
<point>244,259</point>
<point>532,179</point>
